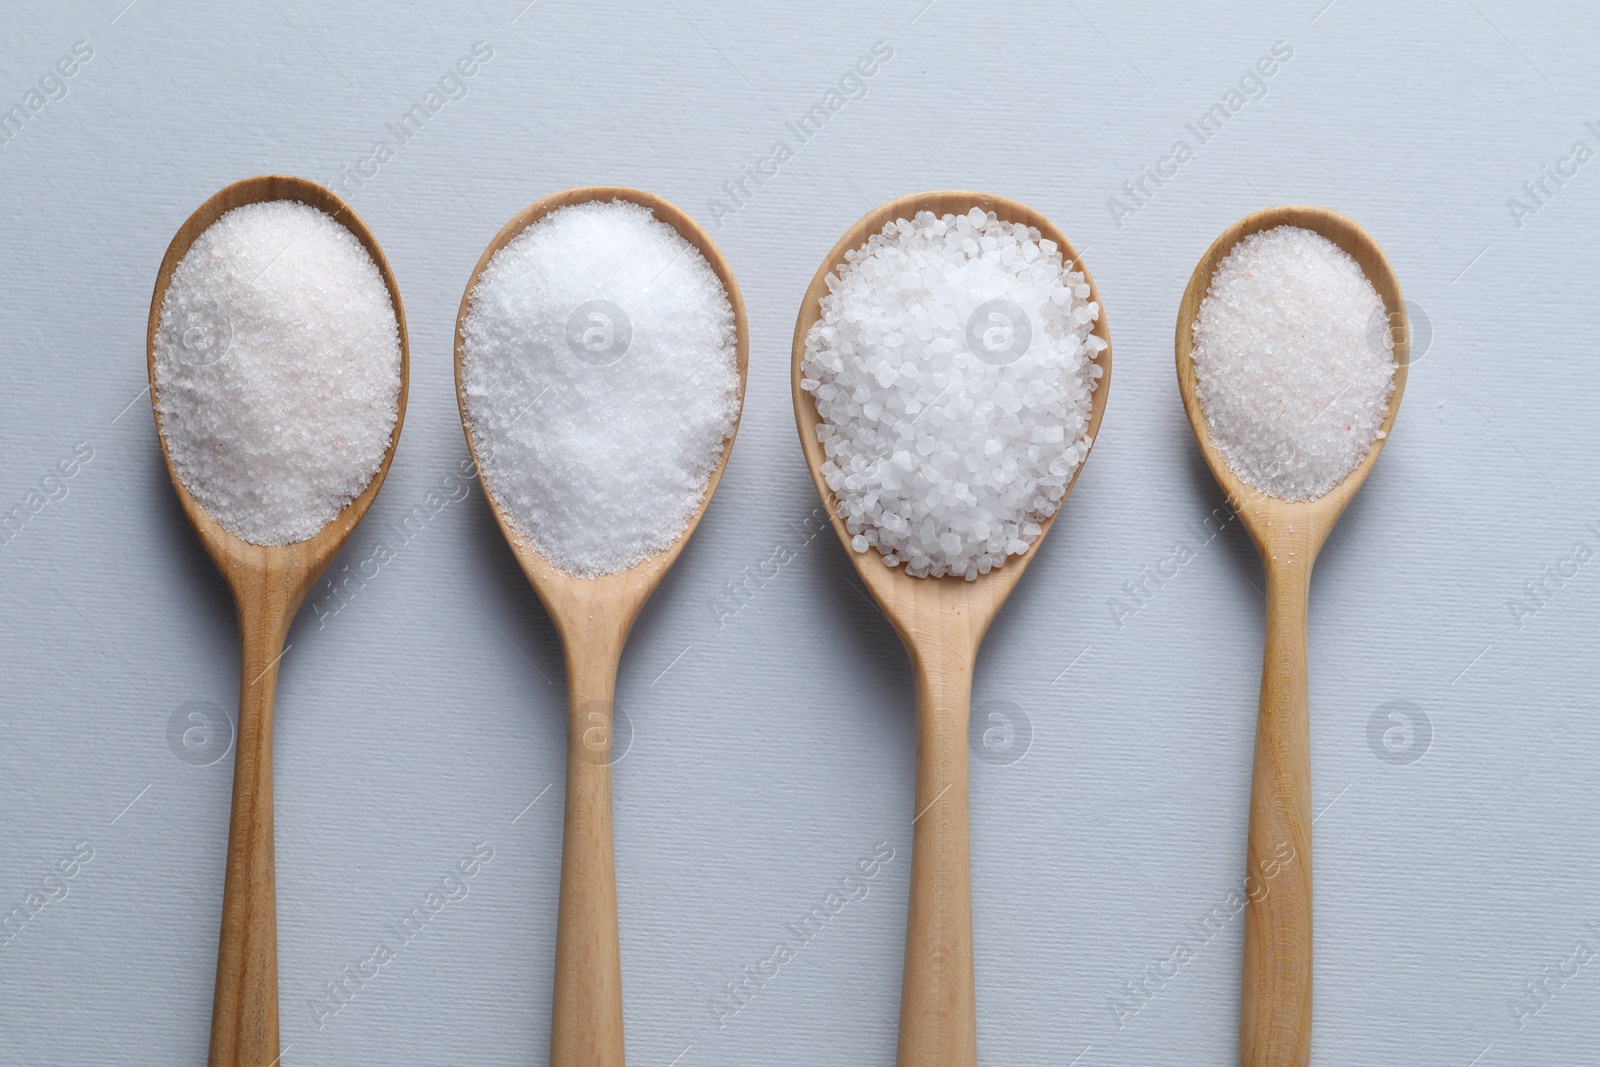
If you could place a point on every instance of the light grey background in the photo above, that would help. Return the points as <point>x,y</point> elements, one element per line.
<point>773,749</point>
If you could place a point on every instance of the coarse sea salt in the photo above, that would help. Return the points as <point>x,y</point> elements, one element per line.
<point>1294,363</point>
<point>277,370</point>
<point>952,367</point>
<point>600,372</point>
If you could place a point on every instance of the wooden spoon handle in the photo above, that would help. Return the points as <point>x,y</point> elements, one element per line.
<point>244,1011</point>
<point>586,1019</point>
<point>1275,1011</point>
<point>938,1027</point>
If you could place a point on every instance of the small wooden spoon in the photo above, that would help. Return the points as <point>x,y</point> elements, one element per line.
<point>941,622</point>
<point>593,617</point>
<point>269,584</point>
<point>1275,1009</point>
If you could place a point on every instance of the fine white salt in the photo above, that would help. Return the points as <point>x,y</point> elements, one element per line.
<point>277,370</point>
<point>952,370</point>
<point>1292,379</point>
<point>600,371</point>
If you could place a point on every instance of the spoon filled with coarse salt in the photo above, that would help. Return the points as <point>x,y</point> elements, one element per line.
<point>601,350</point>
<point>950,370</point>
<point>1292,352</point>
<point>278,366</point>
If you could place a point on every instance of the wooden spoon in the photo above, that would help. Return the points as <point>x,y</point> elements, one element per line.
<point>1275,1011</point>
<point>593,617</point>
<point>941,622</point>
<point>269,583</point>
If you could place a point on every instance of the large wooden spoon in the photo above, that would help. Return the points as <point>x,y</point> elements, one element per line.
<point>269,584</point>
<point>941,622</point>
<point>1275,1006</point>
<point>593,617</point>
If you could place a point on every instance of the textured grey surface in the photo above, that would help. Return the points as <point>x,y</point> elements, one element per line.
<point>772,746</point>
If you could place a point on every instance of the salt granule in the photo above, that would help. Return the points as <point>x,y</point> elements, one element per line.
<point>600,371</point>
<point>952,367</point>
<point>277,370</point>
<point>1293,379</point>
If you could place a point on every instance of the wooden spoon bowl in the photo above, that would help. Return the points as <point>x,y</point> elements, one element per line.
<point>269,584</point>
<point>1275,1015</point>
<point>941,622</point>
<point>593,617</point>
<point>1268,518</point>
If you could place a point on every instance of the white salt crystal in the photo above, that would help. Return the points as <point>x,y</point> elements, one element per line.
<point>1293,382</point>
<point>277,370</point>
<point>600,370</point>
<point>962,453</point>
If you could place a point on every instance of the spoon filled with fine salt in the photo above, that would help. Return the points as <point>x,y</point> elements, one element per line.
<point>278,366</point>
<point>950,370</point>
<point>601,351</point>
<point>1292,352</point>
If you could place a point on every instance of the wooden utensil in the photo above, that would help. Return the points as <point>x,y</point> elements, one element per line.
<point>941,622</point>
<point>269,583</point>
<point>1275,1011</point>
<point>593,617</point>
